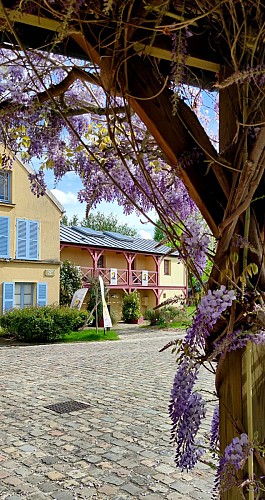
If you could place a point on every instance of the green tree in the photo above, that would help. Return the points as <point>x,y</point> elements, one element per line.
<point>74,221</point>
<point>101,222</point>
<point>70,281</point>
<point>159,234</point>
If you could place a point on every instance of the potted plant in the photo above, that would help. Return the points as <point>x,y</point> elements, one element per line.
<point>131,309</point>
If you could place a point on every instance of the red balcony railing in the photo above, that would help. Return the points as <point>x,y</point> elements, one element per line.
<point>124,278</point>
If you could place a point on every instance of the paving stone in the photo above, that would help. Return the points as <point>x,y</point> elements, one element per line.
<point>163,478</point>
<point>62,495</point>
<point>86,492</point>
<point>4,473</point>
<point>144,471</point>
<point>131,488</point>
<point>165,469</point>
<point>37,496</point>
<point>35,478</point>
<point>116,480</point>
<point>47,486</point>
<point>13,497</point>
<point>118,449</point>
<point>113,457</point>
<point>12,481</point>
<point>152,497</point>
<point>49,460</point>
<point>176,496</point>
<point>27,448</point>
<point>9,464</point>
<point>23,471</point>
<point>107,489</point>
<point>55,475</point>
<point>197,495</point>
<point>182,487</point>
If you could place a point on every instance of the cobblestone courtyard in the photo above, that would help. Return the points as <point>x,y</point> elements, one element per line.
<point>116,448</point>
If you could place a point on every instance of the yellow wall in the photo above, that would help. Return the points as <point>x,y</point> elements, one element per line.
<point>115,260</point>
<point>144,262</point>
<point>25,205</point>
<point>177,275</point>
<point>78,256</point>
<point>25,272</point>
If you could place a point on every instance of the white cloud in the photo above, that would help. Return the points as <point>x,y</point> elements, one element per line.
<point>65,199</point>
<point>144,234</point>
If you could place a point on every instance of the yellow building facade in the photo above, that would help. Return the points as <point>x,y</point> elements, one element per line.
<point>126,264</point>
<point>29,240</point>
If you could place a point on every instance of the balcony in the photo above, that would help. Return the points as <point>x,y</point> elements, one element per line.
<point>124,278</point>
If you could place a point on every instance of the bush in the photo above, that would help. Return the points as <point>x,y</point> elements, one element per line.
<point>164,316</point>
<point>41,324</point>
<point>70,281</point>
<point>131,307</point>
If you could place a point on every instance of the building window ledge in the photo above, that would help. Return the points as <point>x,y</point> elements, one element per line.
<point>6,204</point>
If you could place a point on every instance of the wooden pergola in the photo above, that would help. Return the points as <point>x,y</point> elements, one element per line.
<point>131,47</point>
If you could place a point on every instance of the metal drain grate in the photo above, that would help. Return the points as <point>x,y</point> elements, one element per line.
<point>67,406</point>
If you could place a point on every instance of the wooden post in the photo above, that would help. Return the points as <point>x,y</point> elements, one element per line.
<point>258,400</point>
<point>229,390</point>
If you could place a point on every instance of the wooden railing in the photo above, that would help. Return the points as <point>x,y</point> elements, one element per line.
<point>123,276</point>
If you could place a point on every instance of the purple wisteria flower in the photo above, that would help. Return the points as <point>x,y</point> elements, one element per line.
<point>37,183</point>
<point>212,306</point>
<point>187,408</point>
<point>196,242</point>
<point>214,438</point>
<point>233,460</point>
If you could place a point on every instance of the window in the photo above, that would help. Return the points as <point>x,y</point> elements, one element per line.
<point>27,239</point>
<point>4,237</point>
<point>167,267</point>
<point>5,187</point>
<point>23,295</point>
<point>20,295</point>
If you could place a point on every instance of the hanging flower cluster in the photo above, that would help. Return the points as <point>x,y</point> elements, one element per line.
<point>196,243</point>
<point>233,460</point>
<point>187,408</point>
<point>212,305</point>
<point>214,437</point>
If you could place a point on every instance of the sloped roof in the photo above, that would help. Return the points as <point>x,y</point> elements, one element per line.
<point>106,239</point>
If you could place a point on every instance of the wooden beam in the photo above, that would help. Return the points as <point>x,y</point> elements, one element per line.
<point>30,19</point>
<point>194,62</point>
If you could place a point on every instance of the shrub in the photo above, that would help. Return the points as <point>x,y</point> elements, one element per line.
<point>164,316</point>
<point>131,308</point>
<point>41,324</point>
<point>70,281</point>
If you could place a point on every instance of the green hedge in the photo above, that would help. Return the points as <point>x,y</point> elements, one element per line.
<point>42,324</point>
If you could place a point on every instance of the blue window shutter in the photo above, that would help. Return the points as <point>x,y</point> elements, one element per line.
<point>33,232</point>
<point>8,296</point>
<point>4,237</point>
<point>21,239</point>
<point>27,239</point>
<point>42,289</point>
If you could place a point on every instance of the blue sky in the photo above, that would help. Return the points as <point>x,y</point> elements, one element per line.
<point>66,192</point>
